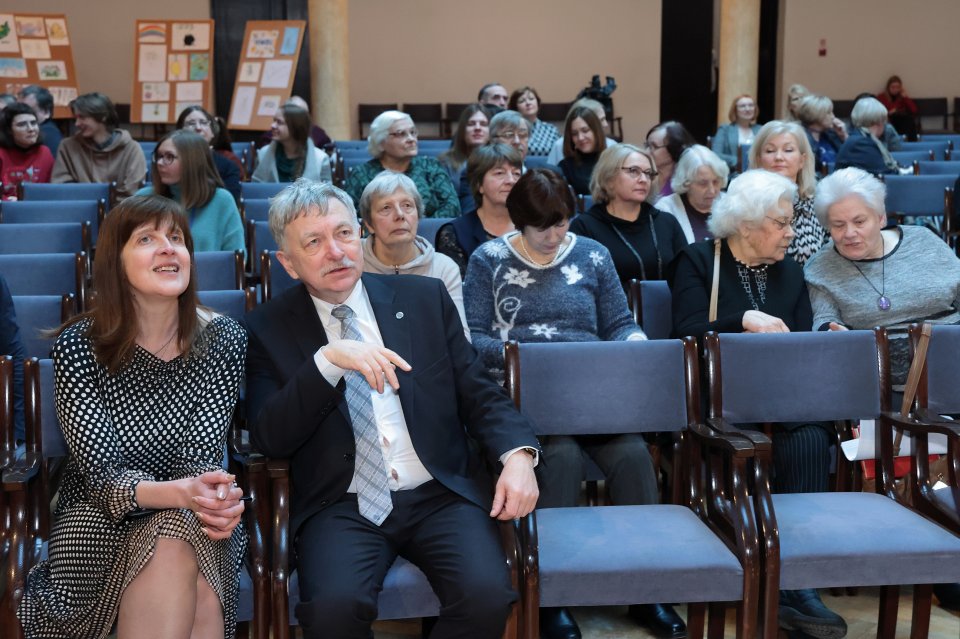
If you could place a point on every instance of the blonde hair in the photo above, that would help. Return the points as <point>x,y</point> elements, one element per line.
<point>807,178</point>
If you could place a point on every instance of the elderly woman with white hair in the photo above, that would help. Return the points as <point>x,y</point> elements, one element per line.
<point>760,291</point>
<point>850,286</point>
<point>390,208</point>
<point>825,132</point>
<point>697,182</point>
<point>393,145</point>
<point>864,149</point>
<point>783,148</point>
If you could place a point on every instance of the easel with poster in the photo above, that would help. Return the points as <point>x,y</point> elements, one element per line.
<point>35,49</point>
<point>173,68</point>
<point>265,74</point>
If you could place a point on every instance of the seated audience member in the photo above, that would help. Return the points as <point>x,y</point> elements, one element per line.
<point>393,145</point>
<point>667,141</point>
<point>526,102</point>
<point>641,239</point>
<point>742,129</point>
<point>492,171</point>
<point>783,148</point>
<point>183,171</point>
<point>583,142</point>
<point>6,99</point>
<point>698,181</point>
<point>390,208</point>
<point>385,451</point>
<point>864,147</point>
<point>99,151</point>
<point>291,155</point>
<point>473,131</point>
<point>541,283</point>
<point>319,137</point>
<point>494,96</point>
<point>222,145</point>
<point>23,157</point>
<point>40,100</point>
<point>891,139</point>
<point>12,345</point>
<point>825,132</point>
<point>556,153</point>
<point>760,291</point>
<point>901,110</point>
<point>795,94</point>
<point>146,532</point>
<point>197,119</point>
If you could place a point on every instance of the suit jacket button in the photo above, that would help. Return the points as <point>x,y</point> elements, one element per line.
<point>324,503</point>
<point>349,457</point>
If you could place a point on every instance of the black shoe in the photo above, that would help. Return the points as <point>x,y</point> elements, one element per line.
<point>948,595</point>
<point>660,619</point>
<point>558,623</point>
<point>802,610</point>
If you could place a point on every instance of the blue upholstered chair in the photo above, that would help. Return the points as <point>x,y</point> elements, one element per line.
<point>835,539</point>
<point>922,196</point>
<point>615,555</point>
<point>937,168</point>
<point>651,303</point>
<point>233,303</point>
<point>51,191</point>
<point>46,274</point>
<point>63,237</point>
<point>273,276</point>
<point>37,313</point>
<point>427,228</point>
<point>54,212</point>
<point>219,270</point>
<point>28,485</point>
<point>939,148</point>
<point>258,209</point>
<point>261,190</point>
<point>906,158</point>
<point>259,239</point>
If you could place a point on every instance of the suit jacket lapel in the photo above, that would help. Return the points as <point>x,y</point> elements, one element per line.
<point>393,319</point>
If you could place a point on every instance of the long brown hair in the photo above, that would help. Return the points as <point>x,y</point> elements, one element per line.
<point>298,125</point>
<point>459,152</point>
<point>199,178</point>
<point>113,316</point>
<point>590,118</point>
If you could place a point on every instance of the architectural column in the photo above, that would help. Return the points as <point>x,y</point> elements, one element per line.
<point>328,22</point>
<point>739,52</point>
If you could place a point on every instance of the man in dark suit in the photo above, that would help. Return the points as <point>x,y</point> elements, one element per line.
<point>366,384</point>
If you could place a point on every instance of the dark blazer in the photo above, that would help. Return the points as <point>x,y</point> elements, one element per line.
<point>861,151</point>
<point>295,413</point>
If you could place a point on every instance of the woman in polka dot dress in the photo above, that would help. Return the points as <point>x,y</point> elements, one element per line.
<point>146,530</point>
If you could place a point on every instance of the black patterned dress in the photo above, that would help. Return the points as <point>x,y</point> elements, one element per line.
<point>810,234</point>
<point>152,421</point>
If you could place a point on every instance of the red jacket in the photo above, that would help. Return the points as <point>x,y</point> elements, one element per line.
<point>17,165</point>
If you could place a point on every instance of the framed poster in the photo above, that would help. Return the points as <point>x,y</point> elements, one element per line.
<point>35,49</point>
<point>173,68</point>
<point>268,63</point>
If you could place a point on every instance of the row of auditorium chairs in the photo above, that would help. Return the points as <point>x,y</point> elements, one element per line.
<point>727,541</point>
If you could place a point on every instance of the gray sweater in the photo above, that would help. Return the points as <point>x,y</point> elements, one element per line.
<point>921,280</point>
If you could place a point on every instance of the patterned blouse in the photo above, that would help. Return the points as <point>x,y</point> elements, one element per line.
<point>542,138</point>
<point>438,192</point>
<point>810,234</point>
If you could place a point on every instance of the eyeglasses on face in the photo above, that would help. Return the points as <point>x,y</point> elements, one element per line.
<point>165,158</point>
<point>635,172</point>
<point>406,133</point>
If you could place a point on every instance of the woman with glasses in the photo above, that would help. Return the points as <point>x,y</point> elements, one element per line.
<point>291,155</point>
<point>393,145</point>
<point>667,141</point>
<point>197,119</point>
<point>183,171</point>
<point>641,239</point>
<point>783,148</point>
<point>23,157</point>
<point>390,208</point>
<point>759,290</point>
<point>742,129</point>
<point>583,142</point>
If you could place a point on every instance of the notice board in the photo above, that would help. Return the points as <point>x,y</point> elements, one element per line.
<point>35,49</point>
<point>172,69</point>
<point>265,74</point>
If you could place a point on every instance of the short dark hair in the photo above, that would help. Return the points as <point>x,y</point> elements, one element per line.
<point>485,158</point>
<point>97,106</point>
<point>485,88</point>
<point>43,97</point>
<point>676,138</point>
<point>6,123</point>
<point>541,199</point>
<point>516,95</point>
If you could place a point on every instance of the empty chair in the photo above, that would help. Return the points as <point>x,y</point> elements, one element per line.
<point>260,190</point>
<point>937,147</point>
<point>743,158</point>
<point>832,539</point>
<point>46,274</point>
<point>427,228</point>
<point>952,138</point>
<point>219,270</point>
<point>259,239</point>
<point>346,145</point>
<point>652,307</point>
<point>255,209</point>
<point>63,237</point>
<point>47,212</point>
<point>937,168</point>
<point>69,191</point>
<point>577,556</point>
<point>906,158</point>
<point>367,112</point>
<point>919,195</point>
<point>274,277</point>
<point>429,113</point>
<point>232,303</point>
<point>39,313</point>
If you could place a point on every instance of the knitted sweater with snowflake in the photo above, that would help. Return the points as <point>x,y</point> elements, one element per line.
<point>577,298</point>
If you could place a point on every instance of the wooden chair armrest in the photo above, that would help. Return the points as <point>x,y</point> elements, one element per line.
<point>22,471</point>
<point>253,479</point>
<point>530,594</point>
<point>278,472</point>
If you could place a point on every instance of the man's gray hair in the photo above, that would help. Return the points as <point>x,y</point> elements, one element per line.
<point>387,183</point>
<point>304,197</point>
<point>507,120</point>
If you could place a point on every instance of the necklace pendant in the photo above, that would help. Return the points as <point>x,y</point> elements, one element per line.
<point>883,303</point>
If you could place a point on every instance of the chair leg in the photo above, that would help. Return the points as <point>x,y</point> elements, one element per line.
<point>717,619</point>
<point>696,615</point>
<point>922,597</point>
<point>889,602</point>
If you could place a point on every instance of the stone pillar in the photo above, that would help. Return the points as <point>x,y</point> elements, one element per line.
<point>328,22</point>
<point>739,52</point>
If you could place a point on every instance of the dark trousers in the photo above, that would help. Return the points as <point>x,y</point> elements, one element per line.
<point>624,460</point>
<point>343,559</point>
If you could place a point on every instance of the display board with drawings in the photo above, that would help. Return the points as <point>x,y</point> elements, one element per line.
<point>173,68</point>
<point>35,49</point>
<point>268,63</point>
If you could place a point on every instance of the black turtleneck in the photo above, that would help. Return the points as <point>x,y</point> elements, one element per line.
<point>578,170</point>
